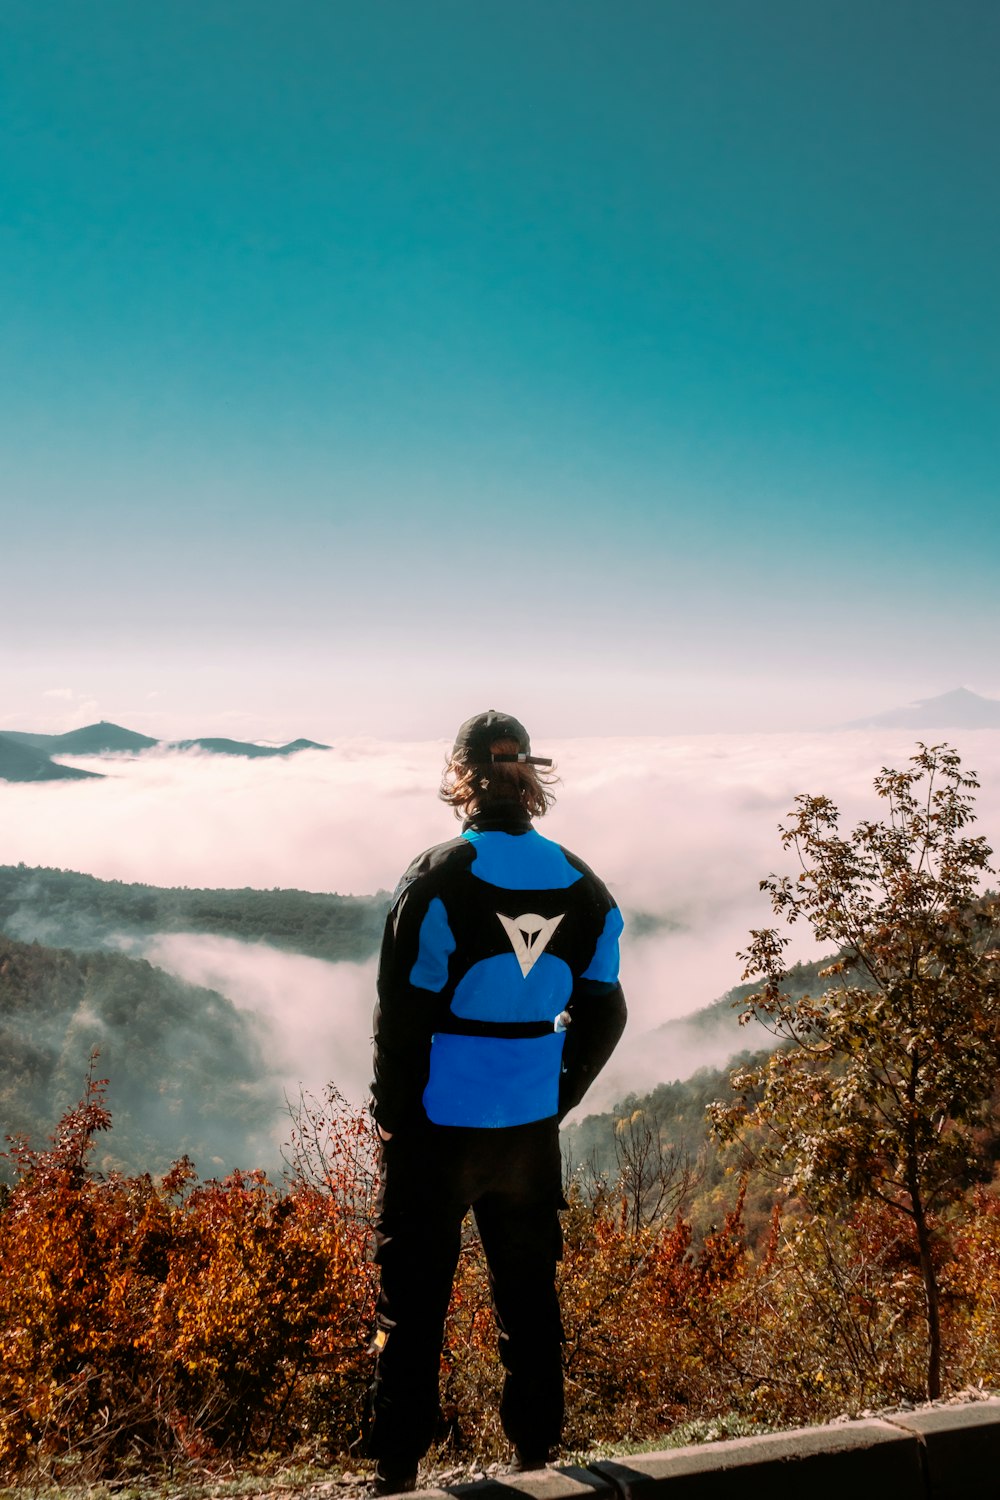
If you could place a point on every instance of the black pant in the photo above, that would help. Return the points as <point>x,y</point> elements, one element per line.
<point>432,1175</point>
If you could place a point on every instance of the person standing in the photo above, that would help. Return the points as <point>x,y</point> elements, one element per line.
<point>498,1004</point>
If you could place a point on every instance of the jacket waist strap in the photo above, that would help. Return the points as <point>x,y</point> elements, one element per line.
<point>460,1026</point>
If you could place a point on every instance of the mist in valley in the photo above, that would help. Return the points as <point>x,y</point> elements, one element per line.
<point>316,1016</point>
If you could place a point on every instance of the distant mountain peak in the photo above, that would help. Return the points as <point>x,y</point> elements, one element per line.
<point>97,739</point>
<point>248,749</point>
<point>959,708</point>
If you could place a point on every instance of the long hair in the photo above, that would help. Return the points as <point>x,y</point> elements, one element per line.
<point>470,787</point>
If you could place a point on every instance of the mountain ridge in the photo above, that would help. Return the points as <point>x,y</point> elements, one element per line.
<point>69,909</point>
<point>26,756</point>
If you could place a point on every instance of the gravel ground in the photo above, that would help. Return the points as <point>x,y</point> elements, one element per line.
<point>353,1485</point>
<point>299,1482</point>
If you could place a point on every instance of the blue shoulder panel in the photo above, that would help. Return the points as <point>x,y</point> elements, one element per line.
<point>520,861</point>
<point>436,945</point>
<point>604,964</point>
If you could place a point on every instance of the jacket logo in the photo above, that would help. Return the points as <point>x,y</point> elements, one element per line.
<point>529,936</point>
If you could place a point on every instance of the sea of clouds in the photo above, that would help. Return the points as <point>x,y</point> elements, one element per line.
<point>681,829</point>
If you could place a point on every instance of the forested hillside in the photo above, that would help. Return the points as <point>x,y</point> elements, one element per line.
<point>714,1031</point>
<point>78,911</point>
<point>678,1108</point>
<point>187,1070</point>
<point>22,762</point>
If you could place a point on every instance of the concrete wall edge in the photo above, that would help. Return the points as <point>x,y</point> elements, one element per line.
<point>930,1453</point>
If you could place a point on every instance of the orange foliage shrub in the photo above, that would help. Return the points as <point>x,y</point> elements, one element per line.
<point>971,1284</point>
<point>146,1320</point>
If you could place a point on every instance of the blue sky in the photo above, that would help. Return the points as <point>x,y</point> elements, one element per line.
<point>632,366</point>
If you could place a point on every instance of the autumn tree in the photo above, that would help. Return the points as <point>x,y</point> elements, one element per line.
<point>882,1087</point>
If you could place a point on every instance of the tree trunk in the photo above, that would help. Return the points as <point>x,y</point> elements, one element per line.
<point>931,1295</point>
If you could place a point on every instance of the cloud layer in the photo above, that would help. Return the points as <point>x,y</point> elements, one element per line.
<point>681,829</point>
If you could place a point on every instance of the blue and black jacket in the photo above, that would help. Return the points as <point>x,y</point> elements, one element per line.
<point>498,992</point>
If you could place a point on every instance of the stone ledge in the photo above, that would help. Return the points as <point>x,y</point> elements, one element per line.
<point>961,1447</point>
<point>866,1460</point>
<point>938,1453</point>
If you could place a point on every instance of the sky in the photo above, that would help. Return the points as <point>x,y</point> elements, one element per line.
<point>630,367</point>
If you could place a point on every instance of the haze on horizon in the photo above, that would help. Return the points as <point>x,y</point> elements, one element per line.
<point>633,368</point>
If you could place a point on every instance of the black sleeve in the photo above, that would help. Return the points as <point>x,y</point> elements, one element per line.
<point>404,1015</point>
<point>598,1019</point>
<point>597,1005</point>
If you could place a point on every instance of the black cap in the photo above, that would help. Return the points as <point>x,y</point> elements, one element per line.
<point>473,741</point>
